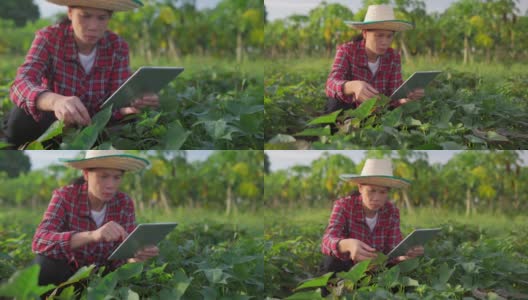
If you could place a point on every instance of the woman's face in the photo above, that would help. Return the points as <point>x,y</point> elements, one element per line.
<point>89,24</point>
<point>103,183</point>
<point>374,196</point>
<point>378,41</point>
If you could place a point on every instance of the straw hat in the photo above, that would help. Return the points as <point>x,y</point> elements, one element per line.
<point>377,172</point>
<point>112,5</point>
<point>381,17</point>
<point>108,159</point>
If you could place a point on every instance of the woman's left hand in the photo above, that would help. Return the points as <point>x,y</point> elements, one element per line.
<point>144,254</point>
<point>148,100</point>
<point>412,253</point>
<point>416,94</point>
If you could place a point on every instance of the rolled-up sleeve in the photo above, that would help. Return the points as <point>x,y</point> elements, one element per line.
<point>50,239</point>
<point>338,76</point>
<point>27,86</point>
<point>335,232</point>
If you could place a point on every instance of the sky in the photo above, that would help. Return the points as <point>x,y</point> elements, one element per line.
<point>42,159</point>
<point>49,9</point>
<point>283,159</point>
<point>278,9</point>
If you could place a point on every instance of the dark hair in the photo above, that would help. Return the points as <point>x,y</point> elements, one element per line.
<point>78,181</point>
<point>358,38</point>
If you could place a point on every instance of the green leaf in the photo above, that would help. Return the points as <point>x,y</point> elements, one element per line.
<point>315,282</point>
<point>444,273</point>
<point>392,119</point>
<point>309,295</point>
<point>408,281</point>
<point>356,273</point>
<point>326,119</point>
<point>389,278</point>
<point>322,131</point>
<point>24,284</point>
<point>83,273</point>
<point>54,130</point>
<point>88,136</point>
<point>364,110</point>
<point>409,265</point>
<point>251,124</point>
<point>216,276</point>
<point>128,294</point>
<point>282,138</point>
<point>100,288</point>
<point>176,136</point>
<point>495,137</point>
<point>181,285</point>
<point>452,146</point>
<point>129,270</point>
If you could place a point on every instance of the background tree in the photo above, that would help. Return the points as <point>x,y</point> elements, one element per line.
<point>14,162</point>
<point>20,11</point>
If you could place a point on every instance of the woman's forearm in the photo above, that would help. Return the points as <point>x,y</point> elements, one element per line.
<point>80,239</point>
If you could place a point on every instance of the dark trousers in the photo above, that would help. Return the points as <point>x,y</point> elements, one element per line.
<point>21,128</point>
<point>335,265</point>
<point>53,271</point>
<point>334,104</point>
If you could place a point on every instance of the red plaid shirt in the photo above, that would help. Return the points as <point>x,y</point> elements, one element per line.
<point>69,213</point>
<point>52,64</point>
<point>348,221</point>
<point>351,63</point>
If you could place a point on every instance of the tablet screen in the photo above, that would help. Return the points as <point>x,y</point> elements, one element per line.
<point>145,80</point>
<point>144,235</point>
<point>418,80</point>
<point>417,238</point>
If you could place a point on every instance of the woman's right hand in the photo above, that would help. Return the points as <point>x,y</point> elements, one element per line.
<point>361,89</point>
<point>109,232</point>
<point>71,110</point>
<point>358,250</point>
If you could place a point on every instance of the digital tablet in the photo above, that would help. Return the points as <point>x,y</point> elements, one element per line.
<point>418,80</point>
<point>145,80</point>
<point>417,238</point>
<point>144,235</point>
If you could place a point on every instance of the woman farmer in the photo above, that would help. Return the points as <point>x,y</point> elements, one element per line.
<point>70,69</point>
<point>85,221</point>
<point>365,222</point>
<point>368,66</point>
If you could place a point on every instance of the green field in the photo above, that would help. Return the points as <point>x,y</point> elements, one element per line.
<point>476,106</point>
<point>481,257</point>
<point>214,104</point>
<point>208,256</point>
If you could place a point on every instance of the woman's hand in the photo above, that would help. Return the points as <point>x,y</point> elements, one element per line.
<point>148,100</point>
<point>144,254</point>
<point>416,94</point>
<point>71,111</point>
<point>109,232</point>
<point>361,89</point>
<point>412,253</point>
<point>358,250</point>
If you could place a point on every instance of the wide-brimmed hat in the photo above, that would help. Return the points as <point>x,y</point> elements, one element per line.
<point>112,5</point>
<point>107,159</point>
<point>381,17</point>
<point>377,172</point>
